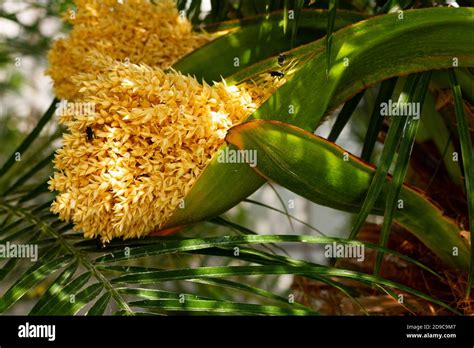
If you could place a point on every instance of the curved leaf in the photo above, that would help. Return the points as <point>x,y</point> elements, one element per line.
<point>229,241</point>
<point>80,300</point>
<point>55,287</point>
<point>430,37</point>
<point>100,305</point>
<point>32,276</point>
<point>328,175</point>
<point>254,39</point>
<point>54,305</point>
<point>206,272</point>
<point>468,164</point>
<point>207,306</point>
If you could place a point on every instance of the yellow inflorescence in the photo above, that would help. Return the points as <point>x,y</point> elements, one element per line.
<point>136,31</point>
<point>154,132</point>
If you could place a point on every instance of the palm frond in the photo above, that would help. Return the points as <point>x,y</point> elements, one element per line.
<point>468,164</point>
<point>401,165</point>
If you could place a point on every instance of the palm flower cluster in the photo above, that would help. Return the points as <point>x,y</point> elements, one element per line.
<point>155,132</point>
<point>136,31</point>
<point>126,166</point>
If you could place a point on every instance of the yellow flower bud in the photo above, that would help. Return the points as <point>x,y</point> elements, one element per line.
<point>124,169</point>
<point>136,31</point>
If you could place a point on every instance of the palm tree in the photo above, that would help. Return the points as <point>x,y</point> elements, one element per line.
<point>357,64</point>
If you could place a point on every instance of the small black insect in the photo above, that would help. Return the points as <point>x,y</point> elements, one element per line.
<point>90,134</point>
<point>281,59</point>
<point>99,243</point>
<point>276,74</point>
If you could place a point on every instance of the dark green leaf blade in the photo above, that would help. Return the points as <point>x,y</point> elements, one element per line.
<point>54,305</point>
<point>32,276</point>
<point>344,116</point>
<point>376,120</point>
<point>54,288</point>
<point>332,10</point>
<point>30,138</point>
<point>393,137</point>
<point>80,300</point>
<point>228,271</point>
<point>100,305</point>
<point>401,166</point>
<point>208,306</point>
<point>468,164</point>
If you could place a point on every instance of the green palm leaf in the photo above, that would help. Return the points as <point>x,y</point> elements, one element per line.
<point>326,174</point>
